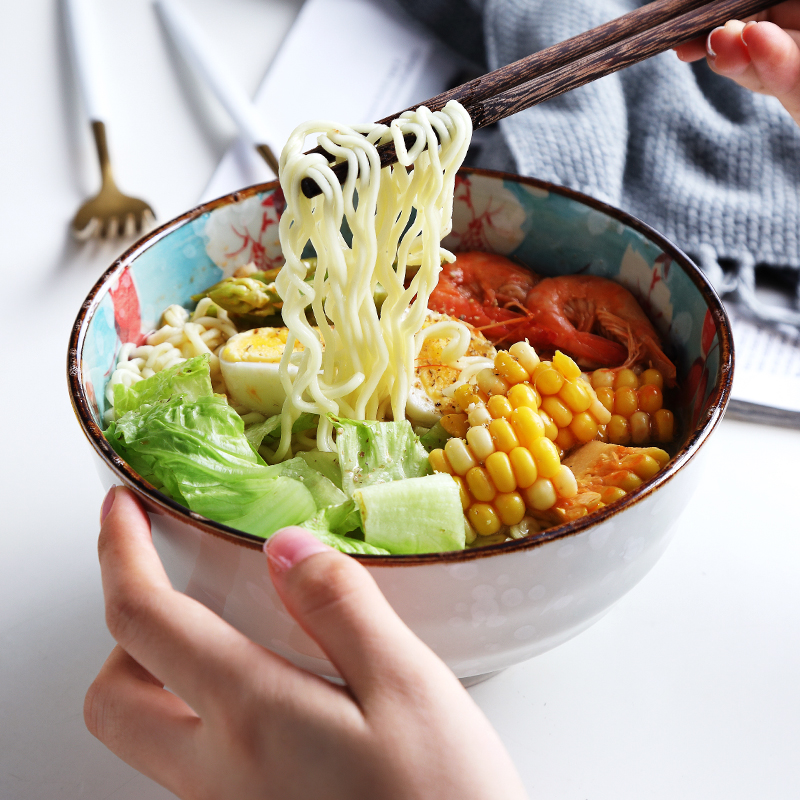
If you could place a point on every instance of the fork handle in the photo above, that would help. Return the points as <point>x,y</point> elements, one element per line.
<point>84,40</point>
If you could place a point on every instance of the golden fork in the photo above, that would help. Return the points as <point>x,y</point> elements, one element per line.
<point>110,213</point>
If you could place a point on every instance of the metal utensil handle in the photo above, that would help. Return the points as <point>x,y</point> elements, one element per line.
<point>195,47</point>
<point>84,42</point>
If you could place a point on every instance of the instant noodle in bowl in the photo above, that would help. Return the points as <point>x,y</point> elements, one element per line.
<point>480,609</point>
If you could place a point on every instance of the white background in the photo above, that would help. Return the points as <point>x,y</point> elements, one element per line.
<point>688,688</point>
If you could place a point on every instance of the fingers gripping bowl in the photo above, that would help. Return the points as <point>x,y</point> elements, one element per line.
<point>480,609</point>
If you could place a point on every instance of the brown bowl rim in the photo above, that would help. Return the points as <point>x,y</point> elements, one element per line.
<point>160,503</point>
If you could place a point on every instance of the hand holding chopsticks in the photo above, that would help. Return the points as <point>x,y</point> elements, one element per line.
<point>634,37</point>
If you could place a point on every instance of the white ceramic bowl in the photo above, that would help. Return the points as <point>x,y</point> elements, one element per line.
<point>481,610</point>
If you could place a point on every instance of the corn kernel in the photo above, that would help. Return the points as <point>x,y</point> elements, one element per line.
<point>439,462</point>
<point>510,508</point>
<point>545,454</point>
<point>480,442</point>
<point>498,465</point>
<point>624,479</point>
<point>455,424</point>
<point>603,379</point>
<point>640,427</point>
<point>550,428</point>
<point>480,485</point>
<point>499,406</point>
<point>484,519</point>
<point>626,378</point>
<point>510,369</point>
<point>459,456</point>
<point>548,381</point>
<point>566,366</point>
<point>463,493</point>
<point>599,411</point>
<point>523,394</point>
<point>528,425</point>
<point>524,466</point>
<point>625,401</point>
<point>564,482</point>
<point>565,440</point>
<point>602,432</point>
<point>479,415</point>
<point>465,396</point>
<point>619,431</point>
<point>540,367</point>
<point>651,398</point>
<point>558,412</point>
<point>525,354</point>
<point>576,395</point>
<point>665,424</point>
<point>609,494</point>
<point>643,465</point>
<point>470,534</point>
<point>658,454</point>
<point>541,495</point>
<point>584,427</point>
<point>652,377</point>
<point>503,434</point>
<point>490,382</point>
<point>606,396</point>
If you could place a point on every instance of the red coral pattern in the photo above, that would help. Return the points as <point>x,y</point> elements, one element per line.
<point>127,313</point>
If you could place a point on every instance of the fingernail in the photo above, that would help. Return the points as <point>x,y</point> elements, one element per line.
<point>289,546</point>
<point>709,49</point>
<point>107,503</point>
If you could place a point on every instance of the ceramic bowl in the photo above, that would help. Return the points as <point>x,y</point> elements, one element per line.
<point>481,610</point>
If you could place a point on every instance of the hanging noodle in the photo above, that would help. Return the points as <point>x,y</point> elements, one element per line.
<point>359,362</point>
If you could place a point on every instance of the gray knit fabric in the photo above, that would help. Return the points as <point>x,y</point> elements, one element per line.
<point>712,166</point>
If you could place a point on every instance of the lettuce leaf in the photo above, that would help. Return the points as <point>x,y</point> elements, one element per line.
<point>269,431</point>
<point>417,515</point>
<point>197,453</point>
<point>189,379</point>
<point>378,452</point>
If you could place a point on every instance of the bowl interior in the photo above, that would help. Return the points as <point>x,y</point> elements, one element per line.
<point>552,230</point>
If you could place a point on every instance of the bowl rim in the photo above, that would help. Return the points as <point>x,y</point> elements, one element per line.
<point>158,503</point>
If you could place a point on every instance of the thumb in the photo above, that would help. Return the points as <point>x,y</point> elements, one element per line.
<point>337,603</point>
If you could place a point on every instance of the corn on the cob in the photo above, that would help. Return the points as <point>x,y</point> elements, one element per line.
<point>635,403</point>
<point>507,460</point>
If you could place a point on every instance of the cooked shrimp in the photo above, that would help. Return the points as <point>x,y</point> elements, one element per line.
<point>486,290</point>
<point>568,308</point>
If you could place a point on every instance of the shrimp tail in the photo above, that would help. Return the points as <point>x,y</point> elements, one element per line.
<point>640,344</point>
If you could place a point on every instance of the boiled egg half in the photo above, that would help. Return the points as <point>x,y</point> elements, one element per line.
<point>250,362</point>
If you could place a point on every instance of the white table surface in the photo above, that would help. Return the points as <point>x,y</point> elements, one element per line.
<point>688,688</point>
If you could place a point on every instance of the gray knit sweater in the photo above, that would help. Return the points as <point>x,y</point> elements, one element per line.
<point>714,167</point>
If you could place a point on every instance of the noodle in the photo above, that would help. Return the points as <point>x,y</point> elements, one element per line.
<point>181,336</point>
<point>360,362</point>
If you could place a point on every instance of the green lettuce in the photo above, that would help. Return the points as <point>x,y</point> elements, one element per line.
<point>416,515</point>
<point>196,452</point>
<point>269,431</point>
<point>378,452</point>
<point>189,380</point>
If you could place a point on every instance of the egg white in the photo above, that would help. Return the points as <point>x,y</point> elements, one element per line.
<point>428,400</point>
<point>250,364</point>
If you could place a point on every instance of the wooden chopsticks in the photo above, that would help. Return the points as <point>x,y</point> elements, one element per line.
<point>636,36</point>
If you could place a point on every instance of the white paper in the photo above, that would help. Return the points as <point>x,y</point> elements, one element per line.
<point>343,60</point>
<point>767,371</point>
